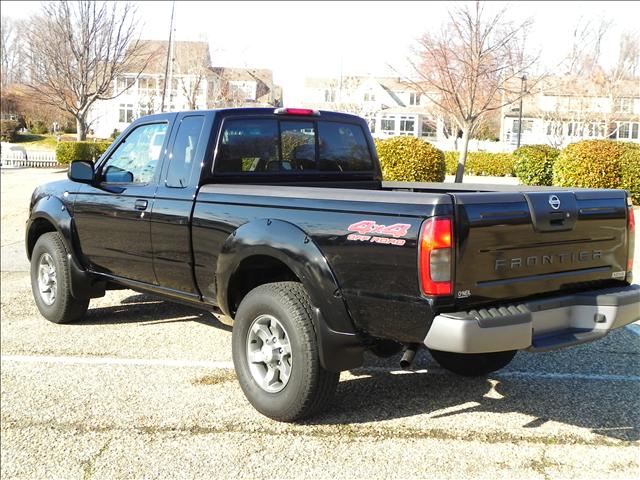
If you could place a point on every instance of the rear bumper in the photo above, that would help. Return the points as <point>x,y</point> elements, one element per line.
<point>539,325</point>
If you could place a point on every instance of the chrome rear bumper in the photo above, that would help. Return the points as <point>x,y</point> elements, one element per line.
<point>539,325</point>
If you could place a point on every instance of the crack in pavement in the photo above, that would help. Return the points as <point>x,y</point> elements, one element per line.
<point>324,431</point>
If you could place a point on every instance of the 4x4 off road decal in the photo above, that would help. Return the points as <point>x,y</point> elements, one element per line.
<point>366,227</point>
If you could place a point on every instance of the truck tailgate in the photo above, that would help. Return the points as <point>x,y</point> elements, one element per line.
<point>518,244</point>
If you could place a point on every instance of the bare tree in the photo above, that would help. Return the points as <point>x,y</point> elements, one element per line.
<point>11,52</point>
<point>473,64</point>
<point>594,79</point>
<point>76,52</point>
<point>192,69</point>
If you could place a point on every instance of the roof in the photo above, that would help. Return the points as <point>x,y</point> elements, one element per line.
<point>244,74</point>
<point>189,57</point>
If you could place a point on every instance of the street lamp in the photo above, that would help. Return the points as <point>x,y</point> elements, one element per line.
<point>524,79</point>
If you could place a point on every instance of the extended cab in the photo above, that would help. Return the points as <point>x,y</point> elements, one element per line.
<point>280,220</point>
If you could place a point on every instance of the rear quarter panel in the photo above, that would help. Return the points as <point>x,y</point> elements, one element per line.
<point>378,281</point>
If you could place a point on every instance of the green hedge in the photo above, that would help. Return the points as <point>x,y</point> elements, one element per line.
<point>410,159</point>
<point>8,130</point>
<point>590,164</point>
<point>630,171</point>
<point>66,152</point>
<point>534,164</point>
<point>482,163</point>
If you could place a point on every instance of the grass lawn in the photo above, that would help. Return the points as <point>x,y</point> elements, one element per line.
<point>36,142</point>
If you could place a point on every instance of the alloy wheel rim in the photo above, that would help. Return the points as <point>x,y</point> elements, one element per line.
<point>269,353</point>
<point>47,281</point>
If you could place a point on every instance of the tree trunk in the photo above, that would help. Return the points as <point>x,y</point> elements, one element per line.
<point>462,158</point>
<point>81,125</point>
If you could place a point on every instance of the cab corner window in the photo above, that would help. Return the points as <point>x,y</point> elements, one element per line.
<point>135,160</point>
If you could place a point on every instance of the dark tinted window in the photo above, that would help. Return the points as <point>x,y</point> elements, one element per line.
<point>343,148</point>
<point>252,145</point>
<point>298,146</point>
<point>184,151</point>
<point>248,145</point>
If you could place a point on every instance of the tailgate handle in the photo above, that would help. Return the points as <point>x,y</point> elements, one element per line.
<point>141,204</point>
<point>557,219</point>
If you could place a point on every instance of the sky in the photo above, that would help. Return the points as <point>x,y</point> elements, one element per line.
<point>307,39</point>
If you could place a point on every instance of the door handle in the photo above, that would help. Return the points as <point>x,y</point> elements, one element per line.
<point>141,204</point>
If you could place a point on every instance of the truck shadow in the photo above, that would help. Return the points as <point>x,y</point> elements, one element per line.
<point>608,408</point>
<point>149,310</point>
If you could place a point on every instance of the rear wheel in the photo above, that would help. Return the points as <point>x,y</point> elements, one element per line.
<point>51,282</point>
<point>473,364</point>
<point>275,353</point>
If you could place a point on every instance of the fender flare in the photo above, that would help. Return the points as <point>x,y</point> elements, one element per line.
<point>340,347</point>
<point>51,209</point>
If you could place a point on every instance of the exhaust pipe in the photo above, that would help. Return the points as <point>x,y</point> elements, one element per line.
<point>408,356</point>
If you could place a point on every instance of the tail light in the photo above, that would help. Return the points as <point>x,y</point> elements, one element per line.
<point>631,224</point>
<point>435,257</point>
<point>296,111</point>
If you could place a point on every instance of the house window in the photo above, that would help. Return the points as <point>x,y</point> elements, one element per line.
<point>527,126</point>
<point>407,125</point>
<point>414,98</point>
<point>146,86</point>
<point>634,131</point>
<point>428,128</point>
<point>623,130</point>
<point>126,113</point>
<point>329,95</point>
<point>388,125</point>
<point>623,105</point>
<point>124,83</point>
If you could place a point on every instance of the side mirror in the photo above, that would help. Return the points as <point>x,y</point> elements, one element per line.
<point>81,171</point>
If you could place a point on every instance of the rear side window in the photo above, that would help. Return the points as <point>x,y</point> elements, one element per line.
<point>273,145</point>
<point>184,151</point>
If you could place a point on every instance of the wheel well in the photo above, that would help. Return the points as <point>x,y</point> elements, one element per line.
<point>38,228</point>
<point>253,272</point>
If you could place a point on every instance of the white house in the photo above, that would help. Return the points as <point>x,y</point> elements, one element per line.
<point>194,85</point>
<point>564,110</point>
<point>391,106</point>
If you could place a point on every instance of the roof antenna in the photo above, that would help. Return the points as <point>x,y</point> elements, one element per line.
<point>166,68</point>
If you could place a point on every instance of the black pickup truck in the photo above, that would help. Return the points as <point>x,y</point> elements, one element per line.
<point>279,219</point>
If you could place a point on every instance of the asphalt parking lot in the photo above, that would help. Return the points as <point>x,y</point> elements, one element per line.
<point>144,389</point>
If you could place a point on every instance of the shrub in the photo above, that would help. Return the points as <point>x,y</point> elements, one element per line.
<point>39,128</point>
<point>410,159</point>
<point>630,171</point>
<point>114,134</point>
<point>534,164</point>
<point>66,152</point>
<point>590,164</point>
<point>8,130</point>
<point>482,163</point>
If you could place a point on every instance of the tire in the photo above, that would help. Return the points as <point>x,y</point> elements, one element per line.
<point>473,364</point>
<point>301,387</point>
<point>50,256</point>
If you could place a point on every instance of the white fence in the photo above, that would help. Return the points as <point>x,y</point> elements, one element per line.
<point>25,158</point>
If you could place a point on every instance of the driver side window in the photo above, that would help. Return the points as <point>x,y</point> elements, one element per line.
<point>136,158</point>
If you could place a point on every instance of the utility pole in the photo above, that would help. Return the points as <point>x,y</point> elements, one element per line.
<point>524,79</point>
<point>169,55</point>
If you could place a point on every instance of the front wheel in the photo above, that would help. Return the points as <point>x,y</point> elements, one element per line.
<point>275,353</point>
<point>51,281</point>
<point>473,364</point>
